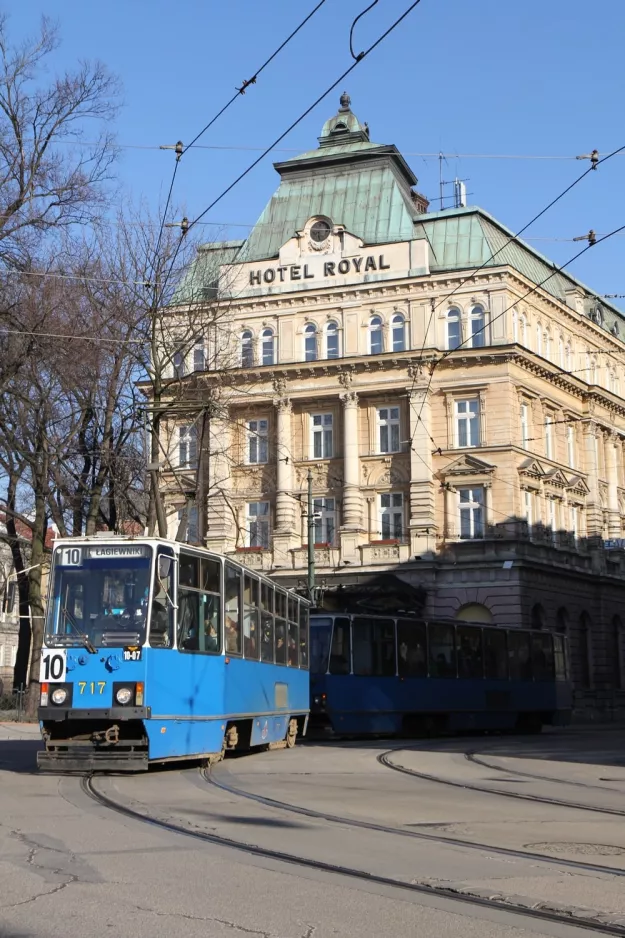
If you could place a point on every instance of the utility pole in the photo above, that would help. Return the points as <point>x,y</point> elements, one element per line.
<point>311,541</point>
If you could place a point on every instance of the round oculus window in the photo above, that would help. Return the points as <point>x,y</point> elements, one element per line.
<point>320,231</point>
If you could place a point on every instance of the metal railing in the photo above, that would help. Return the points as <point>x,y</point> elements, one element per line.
<point>13,705</point>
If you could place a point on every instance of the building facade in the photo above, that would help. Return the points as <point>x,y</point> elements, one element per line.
<point>458,402</point>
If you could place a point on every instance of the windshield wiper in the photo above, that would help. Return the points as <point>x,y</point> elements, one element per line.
<point>85,639</point>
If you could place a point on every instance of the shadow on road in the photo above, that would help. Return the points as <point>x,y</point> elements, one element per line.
<point>19,755</point>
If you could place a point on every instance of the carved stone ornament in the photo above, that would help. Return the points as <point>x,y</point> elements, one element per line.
<point>283,405</point>
<point>279,386</point>
<point>349,398</point>
<point>415,371</point>
<point>346,378</point>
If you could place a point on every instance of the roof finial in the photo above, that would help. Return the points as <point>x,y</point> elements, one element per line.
<point>345,102</point>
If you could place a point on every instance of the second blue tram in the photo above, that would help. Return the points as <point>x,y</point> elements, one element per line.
<point>155,650</point>
<point>382,675</point>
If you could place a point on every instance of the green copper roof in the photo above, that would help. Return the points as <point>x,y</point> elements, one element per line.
<point>369,201</point>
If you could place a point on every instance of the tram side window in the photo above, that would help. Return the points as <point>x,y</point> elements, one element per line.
<point>559,657</point>
<point>233,610</point>
<point>162,615</point>
<point>188,618</point>
<point>340,657</point>
<point>320,636</point>
<point>442,652</point>
<point>210,576</point>
<point>411,649</point>
<point>519,657</point>
<point>495,655</point>
<point>250,616</point>
<point>469,652</point>
<point>266,622</point>
<point>189,574</point>
<point>542,657</point>
<point>281,636</point>
<point>293,655</point>
<point>373,647</point>
<point>303,635</point>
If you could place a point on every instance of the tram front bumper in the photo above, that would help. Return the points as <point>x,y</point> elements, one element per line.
<point>111,713</point>
<point>81,760</point>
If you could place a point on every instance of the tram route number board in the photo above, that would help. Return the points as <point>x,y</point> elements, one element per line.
<point>53,665</point>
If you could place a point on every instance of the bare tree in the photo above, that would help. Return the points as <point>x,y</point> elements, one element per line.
<point>49,177</point>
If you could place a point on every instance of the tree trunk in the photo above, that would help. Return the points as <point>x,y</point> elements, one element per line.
<point>20,674</point>
<point>37,556</point>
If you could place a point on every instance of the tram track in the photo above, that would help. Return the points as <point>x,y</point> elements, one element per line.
<point>537,912</point>
<point>508,852</point>
<point>385,760</point>
<point>474,756</point>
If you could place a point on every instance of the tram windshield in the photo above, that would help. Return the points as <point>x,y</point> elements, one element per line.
<point>99,596</point>
<point>320,636</point>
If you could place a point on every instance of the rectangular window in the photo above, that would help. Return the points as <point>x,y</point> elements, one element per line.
<point>391,515</point>
<point>528,500</point>
<point>324,511</point>
<point>575,520</point>
<point>321,442</point>
<point>250,615</point>
<point>178,361</point>
<point>570,446</point>
<point>388,429</point>
<point>469,652</point>
<point>411,649</point>
<point>471,508</point>
<point>266,622</point>
<point>257,441</point>
<point>340,650</point>
<point>442,651</point>
<point>552,519</point>
<point>281,601</point>
<point>232,605</point>
<point>257,530</point>
<point>192,533</point>
<point>373,647</point>
<point>495,654</point>
<point>525,425</point>
<point>468,422</point>
<point>199,356</point>
<point>549,440</point>
<point>187,447</point>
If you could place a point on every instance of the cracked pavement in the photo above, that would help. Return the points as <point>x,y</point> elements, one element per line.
<point>68,865</point>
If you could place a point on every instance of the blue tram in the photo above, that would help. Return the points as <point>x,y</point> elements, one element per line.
<point>156,650</point>
<point>383,675</point>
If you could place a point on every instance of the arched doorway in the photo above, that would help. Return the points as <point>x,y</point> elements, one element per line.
<point>475,612</point>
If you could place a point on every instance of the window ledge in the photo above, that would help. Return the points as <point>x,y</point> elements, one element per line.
<point>251,550</point>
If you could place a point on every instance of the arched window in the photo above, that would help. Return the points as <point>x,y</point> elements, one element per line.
<point>399,333</point>
<point>268,347</point>
<point>454,328</point>
<point>561,352</point>
<point>539,338</point>
<point>310,342</point>
<point>562,621</point>
<point>332,340</point>
<point>376,340</point>
<point>548,345</point>
<point>523,329</point>
<point>567,356</point>
<point>199,355</point>
<point>538,616</point>
<point>515,326</point>
<point>474,612</point>
<point>478,327</point>
<point>247,349</point>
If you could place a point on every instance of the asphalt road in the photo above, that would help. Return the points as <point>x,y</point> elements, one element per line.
<point>517,821</point>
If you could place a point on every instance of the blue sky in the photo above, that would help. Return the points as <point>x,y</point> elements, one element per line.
<point>541,78</point>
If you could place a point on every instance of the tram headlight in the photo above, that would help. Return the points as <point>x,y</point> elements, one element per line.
<point>123,696</point>
<point>59,696</point>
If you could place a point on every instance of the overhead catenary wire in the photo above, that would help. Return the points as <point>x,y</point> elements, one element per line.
<point>285,133</point>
